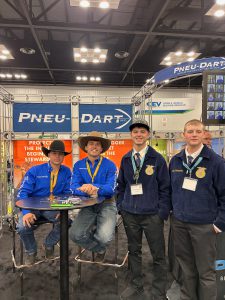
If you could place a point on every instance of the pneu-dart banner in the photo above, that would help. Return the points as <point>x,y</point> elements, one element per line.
<point>105,117</point>
<point>41,117</point>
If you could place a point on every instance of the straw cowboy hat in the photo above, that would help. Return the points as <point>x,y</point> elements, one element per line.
<point>94,136</point>
<point>56,146</point>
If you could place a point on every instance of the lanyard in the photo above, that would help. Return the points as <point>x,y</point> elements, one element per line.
<point>194,166</point>
<point>53,180</point>
<point>96,170</point>
<point>137,170</point>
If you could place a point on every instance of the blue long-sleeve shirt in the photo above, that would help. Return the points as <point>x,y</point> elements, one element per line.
<point>36,183</point>
<point>105,180</point>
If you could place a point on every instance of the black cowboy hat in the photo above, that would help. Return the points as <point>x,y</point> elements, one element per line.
<point>56,146</point>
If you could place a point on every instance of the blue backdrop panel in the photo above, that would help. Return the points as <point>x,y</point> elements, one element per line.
<point>41,117</point>
<point>105,117</point>
<point>220,266</point>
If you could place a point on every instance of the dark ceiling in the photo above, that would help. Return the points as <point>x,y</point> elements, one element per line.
<point>147,29</point>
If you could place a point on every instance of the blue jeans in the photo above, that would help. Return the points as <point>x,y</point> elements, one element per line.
<point>94,226</point>
<point>27,233</point>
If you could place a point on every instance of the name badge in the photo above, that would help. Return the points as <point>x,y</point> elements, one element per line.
<point>136,189</point>
<point>190,184</point>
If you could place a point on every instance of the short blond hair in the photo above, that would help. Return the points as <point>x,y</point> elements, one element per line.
<point>194,122</point>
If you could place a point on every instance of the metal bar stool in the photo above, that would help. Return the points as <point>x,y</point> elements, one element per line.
<point>114,265</point>
<point>20,265</point>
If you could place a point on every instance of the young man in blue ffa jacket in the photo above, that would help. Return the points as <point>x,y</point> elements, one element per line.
<point>143,199</point>
<point>94,176</point>
<point>49,179</point>
<point>198,201</point>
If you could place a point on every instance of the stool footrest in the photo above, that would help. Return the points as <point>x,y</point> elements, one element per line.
<point>79,259</point>
<point>29,266</point>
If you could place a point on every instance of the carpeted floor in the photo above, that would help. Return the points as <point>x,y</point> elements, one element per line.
<point>97,282</point>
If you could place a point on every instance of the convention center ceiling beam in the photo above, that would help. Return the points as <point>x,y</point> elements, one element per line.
<point>162,5</point>
<point>26,13</point>
<point>43,13</point>
<point>71,27</point>
<point>75,70</point>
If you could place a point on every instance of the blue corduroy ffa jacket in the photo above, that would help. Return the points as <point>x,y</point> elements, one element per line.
<point>206,205</point>
<point>156,187</point>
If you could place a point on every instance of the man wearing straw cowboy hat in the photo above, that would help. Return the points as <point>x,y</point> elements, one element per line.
<point>94,176</point>
<point>48,179</point>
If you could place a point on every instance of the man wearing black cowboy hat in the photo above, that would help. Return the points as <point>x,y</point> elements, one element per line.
<point>94,176</point>
<point>48,179</point>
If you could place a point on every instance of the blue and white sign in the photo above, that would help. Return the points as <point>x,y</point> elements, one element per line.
<point>162,106</point>
<point>105,117</point>
<point>188,68</point>
<point>41,117</point>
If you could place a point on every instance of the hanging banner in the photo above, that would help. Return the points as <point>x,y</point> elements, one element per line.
<point>41,117</point>
<point>189,68</point>
<point>28,154</point>
<point>116,151</point>
<point>168,106</point>
<point>105,117</point>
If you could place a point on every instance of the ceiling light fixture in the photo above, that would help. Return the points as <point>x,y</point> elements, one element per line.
<point>83,49</point>
<point>84,78</point>
<point>191,53</point>
<point>97,50</point>
<point>219,13</point>
<point>5,52</point>
<point>90,55</point>
<point>172,58</point>
<point>92,78</point>
<point>10,76</point>
<point>220,2</point>
<point>122,54</point>
<point>27,50</point>
<point>98,78</point>
<point>104,4</point>
<point>3,57</point>
<point>83,60</point>
<point>84,3</point>
<point>178,53</point>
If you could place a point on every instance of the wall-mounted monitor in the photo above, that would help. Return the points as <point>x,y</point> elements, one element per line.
<point>213,97</point>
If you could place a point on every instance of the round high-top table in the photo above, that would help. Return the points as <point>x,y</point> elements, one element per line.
<point>60,203</point>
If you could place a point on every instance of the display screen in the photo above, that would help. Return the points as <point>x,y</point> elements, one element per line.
<point>213,101</point>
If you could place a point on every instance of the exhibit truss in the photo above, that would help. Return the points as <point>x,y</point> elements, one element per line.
<point>6,136</point>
